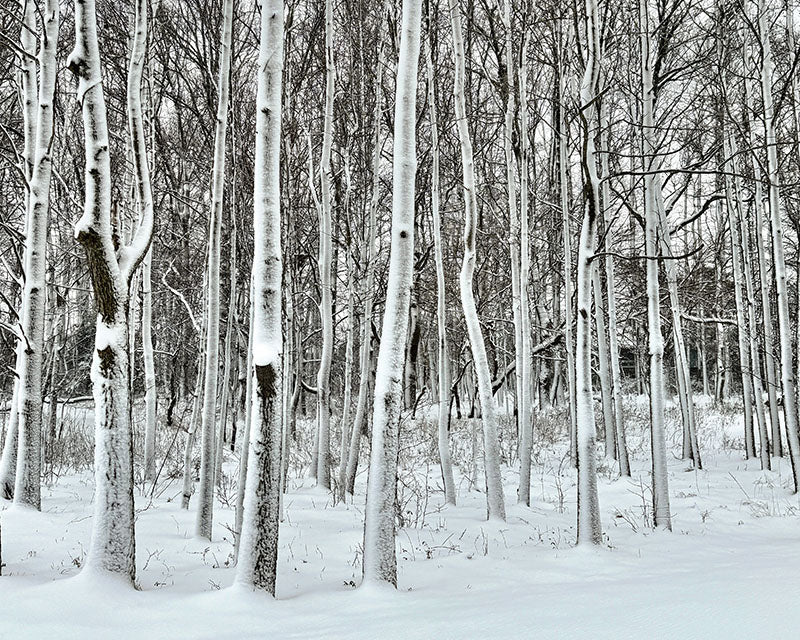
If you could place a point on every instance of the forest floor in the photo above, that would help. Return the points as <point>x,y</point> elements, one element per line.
<point>729,569</point>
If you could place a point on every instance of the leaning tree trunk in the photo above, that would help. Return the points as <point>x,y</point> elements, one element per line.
<point>258,550</point>
<point>112,548</point>
<point>380,562</point>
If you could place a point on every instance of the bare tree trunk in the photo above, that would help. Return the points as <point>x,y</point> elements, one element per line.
<point>365,356</point>
<point>589,528</point>
<point>661,510</point>
<point>113,547</point>
<point>27,489</point>
<point>258,551</point>
<point>443,363</point>
<point>380,563</point>
<point>491,453</point>
<point>323,470</point>
<point>779,262</point>
<point>205,498</point>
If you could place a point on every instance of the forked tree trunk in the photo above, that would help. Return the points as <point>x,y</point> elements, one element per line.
<point>112,548</point>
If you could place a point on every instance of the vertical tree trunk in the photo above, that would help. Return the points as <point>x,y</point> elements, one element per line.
<point>661,510</point>
<point>443,363</point>
<point>205,498</point>
<point>589,528</point>
<point>491,453</point>
<point>27,490</point>
<point>778,260</point>
<point>365,356</point>
<point>323,470</point>
<point>113,547</point>
<point>150,397</point>
<point>258,550</point>
<point>380,563</point>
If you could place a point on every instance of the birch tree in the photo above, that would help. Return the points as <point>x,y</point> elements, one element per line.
<point>113,547</point>
<point>27,489</point>
<point>205,506</point>
<point>491,453</point>
<point>380,562</point>
<point>258,550</point>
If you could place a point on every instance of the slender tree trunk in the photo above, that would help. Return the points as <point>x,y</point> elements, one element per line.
<point>491,453</point>
<point>258,550</point>
<point>323,470</point>
<point>380,563</point>
<point>661,510</point>
<point>205,499</point>
<point>589,528</point>
<point>778,260</point>
<point>27,490</point>
<point>365,356</point>
<point>443,363</point>
<point>150,397</point>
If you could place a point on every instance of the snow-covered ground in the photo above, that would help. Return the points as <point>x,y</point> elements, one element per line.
<point>730,568</point>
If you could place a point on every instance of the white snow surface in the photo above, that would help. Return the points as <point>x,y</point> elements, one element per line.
<point>729,570</point>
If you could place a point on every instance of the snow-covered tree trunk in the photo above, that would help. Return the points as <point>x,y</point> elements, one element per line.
<point>661,509</point>
<point>528,378</point>
<point>365,355</point>
<point>752,328</point>
<point>491,451</point>
<point>611,297</point>
<point>205,498</point>
<point>569,320</point>
<point>604,367</point>
<point>323,467</point>
<point>241,481</point>
<point>230,325</point>
<point>380,563</point>
<point>258,550</point>
<point>112,548</point>
<point>443,362</point>
<point>150,398</point>
<point>778,259</point>
<point>8,461</point>
<point>589,529</point>
<point>27,489</point>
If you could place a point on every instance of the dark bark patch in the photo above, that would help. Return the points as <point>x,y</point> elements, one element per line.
<point>106,361</point>
<point>102,282</point>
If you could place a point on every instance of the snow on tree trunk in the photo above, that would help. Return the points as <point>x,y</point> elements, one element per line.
<point>205,498</point>
<point>150,398</point>
<point>8,461</point>
<point>380,563</point>
<point>661,509</point>
<point>27,489</point>
<point>762,238</point>
<point>589,530</point>
<point>491,450</point>
<point>323,468</point>
<point>258,549</point>
<point>569,320</point>
<point>112,547</point>
<point>443,363</point>
<point>365,356</point>
<point>778,260</point>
